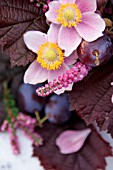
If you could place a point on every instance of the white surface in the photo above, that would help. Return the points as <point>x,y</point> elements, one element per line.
<point>25,161</point>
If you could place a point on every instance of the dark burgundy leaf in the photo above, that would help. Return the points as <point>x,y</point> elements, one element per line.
<point>91,98</point>
<point>17,17</point>
<point>16,80</point>
<point>13,76</point>
<point>90,157</point>
<point>101,4</point>
<point>4,66</point>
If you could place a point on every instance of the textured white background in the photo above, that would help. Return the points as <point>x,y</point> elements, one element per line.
<point>24,161</point>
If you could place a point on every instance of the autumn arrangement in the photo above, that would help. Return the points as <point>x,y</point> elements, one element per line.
<point>56,79</point>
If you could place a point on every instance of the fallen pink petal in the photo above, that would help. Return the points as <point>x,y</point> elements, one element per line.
<point>71,141</point>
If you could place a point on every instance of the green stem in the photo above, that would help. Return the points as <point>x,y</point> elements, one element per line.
<point>39,120</point>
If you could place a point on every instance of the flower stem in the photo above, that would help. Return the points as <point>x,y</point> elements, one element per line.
<point>39,120</point>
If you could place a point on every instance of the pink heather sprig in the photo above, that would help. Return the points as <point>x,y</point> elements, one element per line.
<point>73,75</point>
<point>27,124</point>
<point>14,140</point>
<point>11,128</point>
<point>34,137</point>
<point>26,121</point>
<point>16,120</point>
<point>4,126</point>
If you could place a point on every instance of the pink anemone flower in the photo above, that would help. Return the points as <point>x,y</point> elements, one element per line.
<point>76,20</point>
<point>50,62</point>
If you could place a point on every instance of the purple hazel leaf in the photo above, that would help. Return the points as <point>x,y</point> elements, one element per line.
<point>71,141</point>
<point>16,18</point>
<point>91,98</point>
<point>101,3</point>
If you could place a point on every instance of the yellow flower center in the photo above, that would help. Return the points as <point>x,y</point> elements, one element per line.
<point>69,15</point>
<point>50,56</point>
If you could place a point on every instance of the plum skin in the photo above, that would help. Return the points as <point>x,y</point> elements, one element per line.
<point>97,52</point>
<point>57,109</point>
<point>28,100</point>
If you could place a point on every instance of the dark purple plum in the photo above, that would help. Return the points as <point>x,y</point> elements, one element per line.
<point>28,100</point>
<point>57,109</point>
<point>97,52</point>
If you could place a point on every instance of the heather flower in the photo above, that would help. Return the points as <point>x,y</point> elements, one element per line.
<point>50,62</point>
<point>27,124</point>
<point>75,19</point>
<point>71,141</point>
<point>75,74</point>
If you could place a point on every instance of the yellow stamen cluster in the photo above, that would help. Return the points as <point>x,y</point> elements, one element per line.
<point>69,15</point>
<point>50,56</point>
